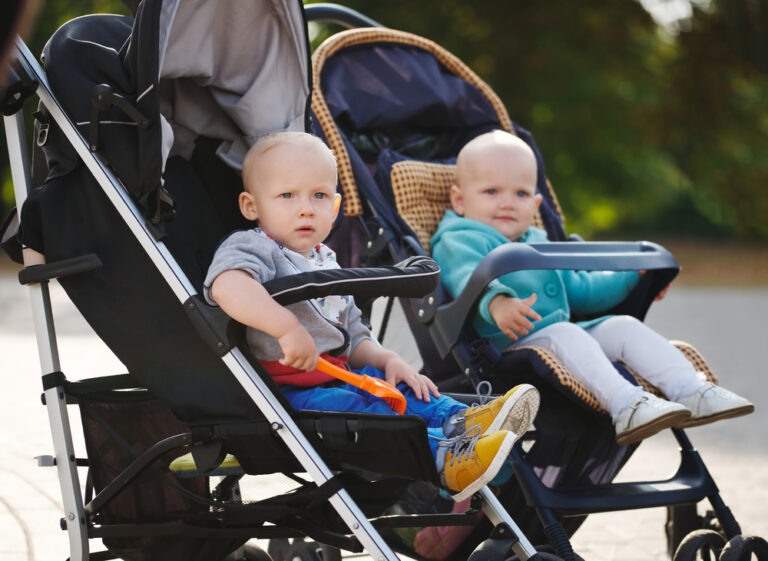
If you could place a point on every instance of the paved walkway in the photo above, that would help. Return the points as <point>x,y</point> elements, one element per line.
<point>735,451</point>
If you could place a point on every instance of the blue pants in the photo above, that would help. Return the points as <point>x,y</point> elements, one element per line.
<point>345,397</point>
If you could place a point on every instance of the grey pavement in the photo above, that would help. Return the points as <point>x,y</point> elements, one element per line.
<point>728,327</point>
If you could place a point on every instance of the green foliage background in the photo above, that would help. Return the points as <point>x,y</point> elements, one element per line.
<point>643,129</point>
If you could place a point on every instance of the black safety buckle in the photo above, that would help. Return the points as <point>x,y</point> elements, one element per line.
<point>44,125</point>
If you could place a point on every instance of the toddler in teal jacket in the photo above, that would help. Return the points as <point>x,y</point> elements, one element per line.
<point>494,201</point>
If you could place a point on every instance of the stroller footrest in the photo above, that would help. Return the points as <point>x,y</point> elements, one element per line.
<point>690,484</point>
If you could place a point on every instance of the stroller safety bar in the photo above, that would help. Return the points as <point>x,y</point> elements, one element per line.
<point>411,278</point>
<point>450,318</point>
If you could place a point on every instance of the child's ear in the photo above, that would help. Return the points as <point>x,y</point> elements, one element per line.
<point>457,200</point>
<point>537,198</point>
<point>248,206</point>
<point>336,205</point>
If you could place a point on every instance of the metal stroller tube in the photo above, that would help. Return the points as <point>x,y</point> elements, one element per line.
<point>335,13</point>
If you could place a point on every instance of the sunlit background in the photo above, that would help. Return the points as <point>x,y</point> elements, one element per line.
<point>652,115</point>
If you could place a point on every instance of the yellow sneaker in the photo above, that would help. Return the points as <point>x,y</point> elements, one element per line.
<point>472,461</point>
<point>514,411</point>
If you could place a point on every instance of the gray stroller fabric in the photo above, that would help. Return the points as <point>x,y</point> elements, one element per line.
<point>233,70</point>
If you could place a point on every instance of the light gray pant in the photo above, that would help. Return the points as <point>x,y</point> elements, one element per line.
<point>588,354</point>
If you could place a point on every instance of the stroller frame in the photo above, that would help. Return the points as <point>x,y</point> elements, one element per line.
<point>37,277</point>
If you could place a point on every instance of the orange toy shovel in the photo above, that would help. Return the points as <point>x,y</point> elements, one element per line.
<point>373,386</point>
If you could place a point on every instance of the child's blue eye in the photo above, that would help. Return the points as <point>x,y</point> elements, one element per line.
<point>319,195</point>
<point>285,195</point>
<point>523,194</point>
<point>491,191</point>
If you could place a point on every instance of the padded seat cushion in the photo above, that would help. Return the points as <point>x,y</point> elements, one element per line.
<point>422,195</point>
<point>548,366</point>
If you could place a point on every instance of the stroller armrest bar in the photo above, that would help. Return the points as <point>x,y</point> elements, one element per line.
<point>450,318</point>
<point>35,274</point>
<point>412,278</point>
<point>335,13</point>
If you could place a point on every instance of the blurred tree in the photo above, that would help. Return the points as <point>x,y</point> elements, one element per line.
<point>618,104</point>
<point>714,115</point>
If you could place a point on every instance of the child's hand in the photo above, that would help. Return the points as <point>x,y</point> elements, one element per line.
<point>397,370</point>
<point>511,315</point>
<point>299,350</point>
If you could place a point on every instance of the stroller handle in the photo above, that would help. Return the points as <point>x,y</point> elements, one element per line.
<point>336,13</point>
<point>449,320</point>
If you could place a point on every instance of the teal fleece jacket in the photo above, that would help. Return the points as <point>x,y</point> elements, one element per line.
<point>461,243</point>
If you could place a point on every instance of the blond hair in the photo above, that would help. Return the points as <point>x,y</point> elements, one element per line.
<point>269,141</point>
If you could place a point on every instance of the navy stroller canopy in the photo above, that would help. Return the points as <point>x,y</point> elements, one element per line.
<point>229,70</point>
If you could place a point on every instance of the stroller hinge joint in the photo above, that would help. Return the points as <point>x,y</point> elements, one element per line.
<point>211,323</point>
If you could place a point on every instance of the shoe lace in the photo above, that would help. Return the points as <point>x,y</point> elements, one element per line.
<point>461,446</point>
<point>483,390</point>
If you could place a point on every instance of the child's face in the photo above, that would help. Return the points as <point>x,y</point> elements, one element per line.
<point>497,186</point>
<point>292,193</point>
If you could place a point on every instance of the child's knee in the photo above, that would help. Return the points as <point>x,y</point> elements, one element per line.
<point>624,323</point>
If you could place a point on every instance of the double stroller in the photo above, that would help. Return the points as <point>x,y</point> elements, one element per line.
<point>130,188</point>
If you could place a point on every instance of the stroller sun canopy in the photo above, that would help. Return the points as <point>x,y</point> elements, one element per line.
<point>232,70</point>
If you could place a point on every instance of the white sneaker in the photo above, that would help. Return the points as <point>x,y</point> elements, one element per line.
<point>711,403</point>
<point>646,416</point>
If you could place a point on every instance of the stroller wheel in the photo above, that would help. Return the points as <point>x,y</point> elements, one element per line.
<point>745,548</point>
<point>681,521</point>
<point>300,550</point>
<point>700,545</point>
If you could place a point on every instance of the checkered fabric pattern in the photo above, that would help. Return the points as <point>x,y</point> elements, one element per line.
<point>355,37</point>
<point>695,358</point>
<point>568,380</point>
<point>422,195</point>
<point>565,377</point>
